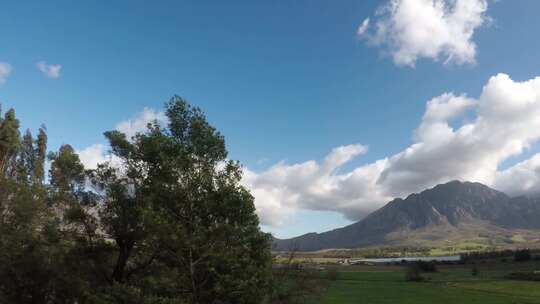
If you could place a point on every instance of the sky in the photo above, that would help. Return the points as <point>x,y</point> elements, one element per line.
<point>332,107</point>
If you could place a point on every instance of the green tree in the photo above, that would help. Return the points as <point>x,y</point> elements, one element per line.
<point>166,220</point>
<point>176,203</point>
<point>9,140</point>
<point>67,172</point>
<point>34,247</point>
<point>29,243</point>
<point>40,153</point>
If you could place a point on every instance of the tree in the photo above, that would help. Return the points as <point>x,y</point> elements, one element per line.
<point>296,283</point>
<point>413,273</point>
<point>67,172</point>
<point>522,255</point>
<point>9,140</point>
<point>175,203</point>
<point>29,244</point>
<point>166,220</point>
<point>475,271</point>
<point>40,156</point>
<point>34,246</point>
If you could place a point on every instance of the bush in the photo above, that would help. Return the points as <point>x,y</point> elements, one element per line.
<point>475,271</point>
<point>522,255</point>
<point>427,266</point>
<point>413,273</point>
<point>332,274</point>
<point>524,276</point>
<point>295,283</point>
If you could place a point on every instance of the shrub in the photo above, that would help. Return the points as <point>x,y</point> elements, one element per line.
<point>295,283</point>
<point>475,271</point>
<point>522,255</point>
<point>426,266</point>
<point>524,276</point>
<point>413,273</point>
<point>332,274</point>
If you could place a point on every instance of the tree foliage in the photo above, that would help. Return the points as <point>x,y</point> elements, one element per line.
<point>166,220</point>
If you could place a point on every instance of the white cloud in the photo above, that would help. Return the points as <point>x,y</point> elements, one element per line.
<point>521,179</point>
<point>434,29</point>
<point>49,70</point>
<point>92,156</point>
<point>284,188</point>
<point>98,153</point>
<point>5,70</point>
<point>139,124</point>
<point>505,122</point>
<point>363,27</point>
<point>459,137</point>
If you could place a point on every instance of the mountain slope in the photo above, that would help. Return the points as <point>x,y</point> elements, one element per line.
<point>451,209</point>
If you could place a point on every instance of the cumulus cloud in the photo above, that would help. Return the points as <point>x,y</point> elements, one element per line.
<point>49,70</point>
<point>139,124</point>
<point>521,179</point>
<point>285,188</point>
<point>502,123</point>
<point>363,27</point>
<point>434,29</point>
<point>93,155</point>
<point>98,153</point>
<point>5,70</point>
<point>459,137</point>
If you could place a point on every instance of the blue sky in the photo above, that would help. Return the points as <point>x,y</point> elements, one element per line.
<point>283,80</point>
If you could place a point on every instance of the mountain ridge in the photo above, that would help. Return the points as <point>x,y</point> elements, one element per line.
<point>454,206</point>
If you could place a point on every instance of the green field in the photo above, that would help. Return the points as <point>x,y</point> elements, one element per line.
<point>452,285</point>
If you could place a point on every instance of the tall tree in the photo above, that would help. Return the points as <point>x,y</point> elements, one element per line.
<point>167,220</point>
<point>67,171</point>
<point>40,156</point>
<point>176,182</point>
<point>9,140</point>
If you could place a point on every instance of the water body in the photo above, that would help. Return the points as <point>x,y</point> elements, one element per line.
<point>450,258</point>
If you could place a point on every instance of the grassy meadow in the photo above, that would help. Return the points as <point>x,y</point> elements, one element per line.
<point>452,284</point>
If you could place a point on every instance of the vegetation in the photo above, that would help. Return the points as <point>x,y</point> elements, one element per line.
<point>524,276</point>
<point>522,255</point>
<point>295,283</point>
<point>426,266</point>
<point>413,273</point>
<point>475,271</point>
<point>165,221</point>
<point>451,284</point>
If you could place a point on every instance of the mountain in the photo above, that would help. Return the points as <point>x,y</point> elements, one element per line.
<point>446,214</point>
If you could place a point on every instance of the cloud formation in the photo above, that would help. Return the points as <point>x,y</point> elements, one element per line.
<point>284,188</point>
<point>5,70</point>
<point>98,153</point>
<point>459,137</point>
<point>521,179</point>
<point>505,122</point>
<point>49,70</point>
<point>93,155</point>
<point>138,124</point>
<point>434,29</point>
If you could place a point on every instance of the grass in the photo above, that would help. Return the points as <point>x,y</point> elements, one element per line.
<point>518,238</point>
<point>452,284</point>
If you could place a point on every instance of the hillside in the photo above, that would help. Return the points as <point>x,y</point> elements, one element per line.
<point>448,213</point>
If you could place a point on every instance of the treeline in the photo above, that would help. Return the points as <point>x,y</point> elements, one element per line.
<point>166,221</point>
<point>379,252</point>
<point>518,255</point>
